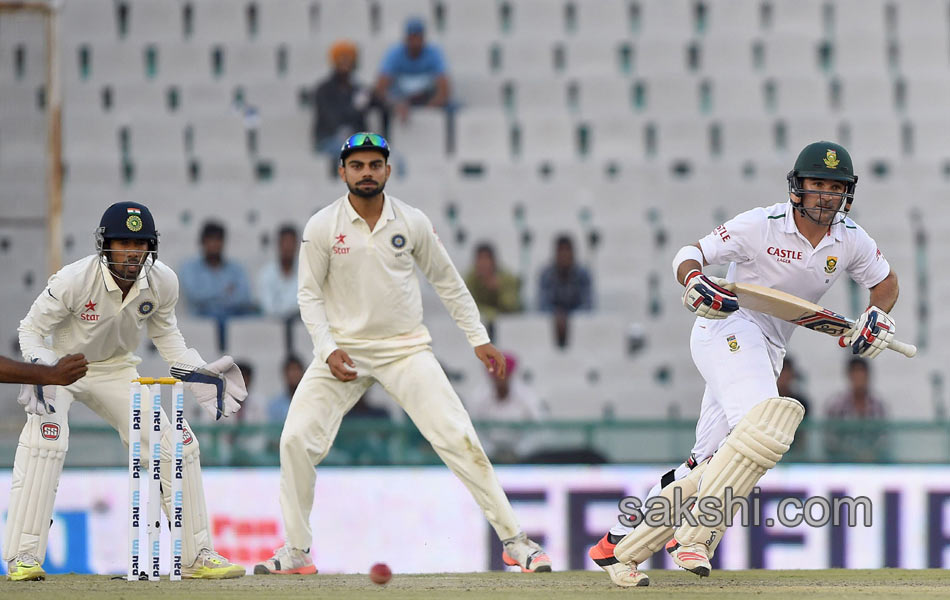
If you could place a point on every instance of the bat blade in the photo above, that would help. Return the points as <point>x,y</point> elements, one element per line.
<point>801,312</point>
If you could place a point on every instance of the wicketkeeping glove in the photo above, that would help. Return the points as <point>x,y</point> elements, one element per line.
<point>218,386</point>
<point>707,297</point>
<point>38,399</point>
<point>872,333</point>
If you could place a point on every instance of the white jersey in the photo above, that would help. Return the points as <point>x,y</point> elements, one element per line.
<point>763,246</point>
<point>359,289</point>
<point>82,310</point>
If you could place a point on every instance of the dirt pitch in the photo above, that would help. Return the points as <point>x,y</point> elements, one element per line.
<point>762,585</point>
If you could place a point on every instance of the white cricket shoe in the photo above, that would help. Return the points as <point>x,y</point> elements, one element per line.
<point>211,565</point>
<point>287,561</point>
<point>693,557</point>
<point>623,574</point>
<point>522,552</point>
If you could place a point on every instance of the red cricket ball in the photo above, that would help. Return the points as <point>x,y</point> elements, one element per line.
<point>380,573</point>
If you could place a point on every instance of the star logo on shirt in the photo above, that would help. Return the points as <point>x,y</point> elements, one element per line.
<point>90,306</point>
<point>340,239</point>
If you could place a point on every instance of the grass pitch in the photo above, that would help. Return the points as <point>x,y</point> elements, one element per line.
<point>838,584</point>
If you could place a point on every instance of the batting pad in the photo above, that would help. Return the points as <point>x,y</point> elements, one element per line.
<point>36,470</point>
<point>195,531</point>
<point>755,445</point>
<point>644,540</point>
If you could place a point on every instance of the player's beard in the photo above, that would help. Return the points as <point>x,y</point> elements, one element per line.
<point>823,215</point>
<point>366,192</point>
<point>125,271</point>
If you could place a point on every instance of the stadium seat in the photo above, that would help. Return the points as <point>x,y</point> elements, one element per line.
<point>392,17</point>
<point>464,18</point>
<point>482,135</point>
<point>866,16</point>
<point>860,52</point>
<point>669,95</point>
<point>539,19</point>
<point>467,57</point>
<point>206,98</point>
<point>219,21</point>
<point>867,95</point>
<point>603,20</point>
<point>155,21</point>
<point>342,19</point>
<point>183,64</point>
<point>546,136</point>
<point>673,18</point>
<point>94,20</point>
<point>139,100</point>
<point>655,54</point>
<point>533,94</point>
<point>792,54</point>
<point>477,91</point>
<point>617,137</point>
<point>925,55</point>
<point>523,55</point>
<point>748,138</point>
<point>736,96</point>
<point>157,139</point>
<point>930,137</point>
<point>219,138</point>
<point>729,56</point>
<point>600,94</point>
<point>921,19</point>
<point>284,21</point>
<point>736,20</point>
<point>926,95</point>
<point>594,57</point>
<point>809,17</point>
<point>799,94</point>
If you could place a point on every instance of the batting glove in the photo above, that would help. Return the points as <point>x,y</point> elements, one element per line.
<point>707,297</point>
<point>872,333</point>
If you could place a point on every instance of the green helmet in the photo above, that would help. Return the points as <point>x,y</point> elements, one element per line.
<point>823,160</point>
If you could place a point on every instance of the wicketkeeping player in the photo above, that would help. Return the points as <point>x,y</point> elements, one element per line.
<point>802,247</point>
<point>359,298</point>
<point>100,305</point>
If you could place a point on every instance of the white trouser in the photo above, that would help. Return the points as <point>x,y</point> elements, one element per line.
<point>419,385</point>
<point>739,374</point>
<point>105,390</point>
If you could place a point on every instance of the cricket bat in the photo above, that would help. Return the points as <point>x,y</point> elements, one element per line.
<point>801,312</point>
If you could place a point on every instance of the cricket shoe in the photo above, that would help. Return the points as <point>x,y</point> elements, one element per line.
<point>25,567</point>
<point>692,557</point>
<point>287,561</point>
<point>211,565</point>
<point>623,574</point>
<point>522,552</point>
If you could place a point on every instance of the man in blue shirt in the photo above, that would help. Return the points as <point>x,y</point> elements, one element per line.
<point>213,286</point>
<point>413,73</point>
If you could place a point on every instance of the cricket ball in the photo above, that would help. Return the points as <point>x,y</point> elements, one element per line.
<point>380,573</point>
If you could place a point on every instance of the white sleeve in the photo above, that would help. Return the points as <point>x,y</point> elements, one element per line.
<point>430,255</point>
<point>311,275</point>
<point>163,324</point>
<point>736,240</point>
<point>868,266</point>
<point>51,307</point>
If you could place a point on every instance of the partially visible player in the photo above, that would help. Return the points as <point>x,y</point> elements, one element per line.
<point>802,247</point>
<point>100,306</point>
<point>360,300</point>
<point>66,370</point>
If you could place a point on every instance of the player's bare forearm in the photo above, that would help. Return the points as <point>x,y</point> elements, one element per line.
<point>686,266</point>
<point>884,295</point>
<point>66,371</point>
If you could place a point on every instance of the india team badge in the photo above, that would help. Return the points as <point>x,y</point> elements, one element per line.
<point>831,159</point>
<point>733,343</point>
<point>398,241</point>
<point>831,263</point>
<point>134,220</point>
<point>146,307</point>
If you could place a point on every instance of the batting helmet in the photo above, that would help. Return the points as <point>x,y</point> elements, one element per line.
<point>823,160</point>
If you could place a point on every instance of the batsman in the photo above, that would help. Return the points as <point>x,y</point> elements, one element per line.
<point>802,246</point>
<point>99,306</point>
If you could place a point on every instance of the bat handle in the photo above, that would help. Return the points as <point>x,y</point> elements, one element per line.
<point>908,350</point>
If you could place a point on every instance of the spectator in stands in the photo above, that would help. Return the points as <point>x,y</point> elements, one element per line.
<point>506,399</point>
<point>789,386</point>
<point>413,73</point>
<point>341,104</point>
<point>293,371</point>
<point>277,280</point>
<point>565,287</point>
<point>212,285</point>
<point>248,448</point>
<point>495,290</point>
<point>859,435</point>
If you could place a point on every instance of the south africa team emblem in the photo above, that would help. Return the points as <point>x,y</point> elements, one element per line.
<point>134,223</point>
<point>831,263</point>
<point>733,343</point>
<point>398,241</point>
